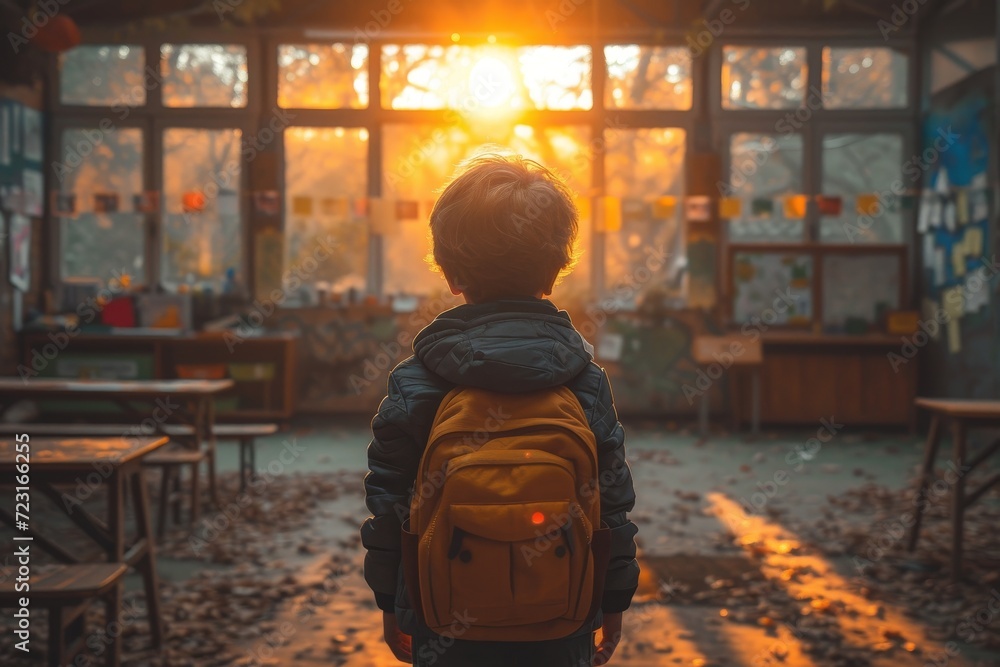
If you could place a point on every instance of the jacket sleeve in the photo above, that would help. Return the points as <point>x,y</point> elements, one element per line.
<point>393,458</point>
<point>617,499</point>
<point>399,430</point>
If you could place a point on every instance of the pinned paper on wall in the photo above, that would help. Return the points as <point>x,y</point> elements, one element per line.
<point>954,307</point>
<point>610,218</point>
<point>730,208</point>
<point>610,346</point>
<point>795,206</point>
<point>831,205</point>
<point>762,207</point>
<point>382,216</point>
<point>980,205</point>
<point>977,290</point>
<point>962,207</point>
<point>665,207</point>
<point>935,211</point>
<point>698,208</point>
<point>924,217</point>
<point>958,260</point>
<point>942,184</point>
<point>228,203</point>
<point>928,256</point>
<point>950,216</point>
<point>866,204</point>
<point>974,241</point>
<point>302,205</point>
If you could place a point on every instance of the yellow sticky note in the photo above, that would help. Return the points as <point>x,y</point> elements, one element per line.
<point>962,204</point>
<point>958,260</point>
<point>665,207</point>
<point>866,204</point>
<point>795,207</point>
<point>730,207</point>
<point>611,215</point>
<point>302,205</point>
<point>974,241</point>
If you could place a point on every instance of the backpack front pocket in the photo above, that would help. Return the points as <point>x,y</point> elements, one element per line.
<point>511,564</point>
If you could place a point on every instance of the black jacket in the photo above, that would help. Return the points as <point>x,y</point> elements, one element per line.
<point>507,346</point>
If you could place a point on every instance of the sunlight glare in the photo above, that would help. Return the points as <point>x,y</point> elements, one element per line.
<point>491,82</point>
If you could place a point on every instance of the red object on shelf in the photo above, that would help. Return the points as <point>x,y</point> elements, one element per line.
<point>119,312</point>
<point>59,33</point>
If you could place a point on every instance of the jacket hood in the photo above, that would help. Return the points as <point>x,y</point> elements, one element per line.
<point>509,346</point>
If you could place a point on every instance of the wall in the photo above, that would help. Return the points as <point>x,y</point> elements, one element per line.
<point>967,102</point>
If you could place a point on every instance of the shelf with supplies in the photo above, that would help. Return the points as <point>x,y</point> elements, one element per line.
<point>262,367</point>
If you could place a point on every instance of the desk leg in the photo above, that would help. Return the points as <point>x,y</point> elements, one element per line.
<point>755,398</point>
<point>147,564</point>
<point>957,497</point>
<point>930,453</point>
<point>209,412</point>
<point>116,516</point>
<point>703,416</point>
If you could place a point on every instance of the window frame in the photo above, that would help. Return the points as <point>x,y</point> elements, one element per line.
<point>153,118</point>
<point>822,121</point>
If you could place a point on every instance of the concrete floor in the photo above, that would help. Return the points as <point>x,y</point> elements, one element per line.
<point>721,585</point>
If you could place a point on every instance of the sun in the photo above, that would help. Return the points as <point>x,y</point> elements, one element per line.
<point>491,82</point>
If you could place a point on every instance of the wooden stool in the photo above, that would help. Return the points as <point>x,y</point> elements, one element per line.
<point>961,414</point>
<point>736,352</point>
<point>171,463</point>
<point>66,591</point>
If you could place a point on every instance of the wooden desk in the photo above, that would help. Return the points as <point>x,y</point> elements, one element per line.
<point>962,414</point>
<point>195,407</point>
<point>113,462</point>
<point>736,352</point>
<point>806,377</point>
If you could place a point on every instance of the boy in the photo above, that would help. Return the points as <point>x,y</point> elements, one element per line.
<point>503,231</point>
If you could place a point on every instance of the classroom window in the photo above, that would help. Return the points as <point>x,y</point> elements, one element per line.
<point>645,169</point>
<point>323,76</point>
<point>325,177</point>
<point>763,77</point>
<point>485,79</point>
<point>419,159</point>
<point>647,77</point>
<point>201,239</point>
<point>864,78</point>
<point>856,166</point>
<point>101,234</point>
<point>204,75</point>
<point>765,169</point>
<point>103,75</point>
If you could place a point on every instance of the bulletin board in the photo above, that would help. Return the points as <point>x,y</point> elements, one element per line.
<point>762,277</point>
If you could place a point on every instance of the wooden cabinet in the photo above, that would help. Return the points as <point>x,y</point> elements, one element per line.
<point>850,379</point>
<point>262,368</point>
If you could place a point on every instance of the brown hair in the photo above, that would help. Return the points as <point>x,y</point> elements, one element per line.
<point>505,226</point>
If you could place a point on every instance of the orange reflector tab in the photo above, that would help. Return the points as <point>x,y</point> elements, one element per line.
<point>537,518</point>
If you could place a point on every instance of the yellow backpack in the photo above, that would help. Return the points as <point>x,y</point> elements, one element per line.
<point>504,540</point>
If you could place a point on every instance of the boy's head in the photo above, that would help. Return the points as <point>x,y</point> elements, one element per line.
<point>504,227</point>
